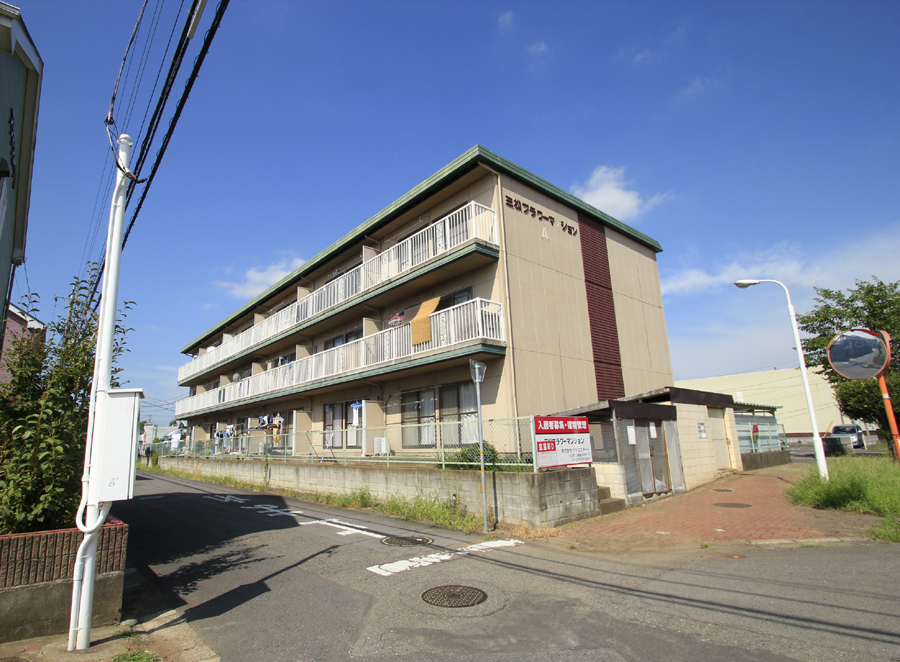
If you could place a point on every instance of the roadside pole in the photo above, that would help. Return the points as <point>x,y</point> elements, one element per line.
<point>478,369</point>
<point>93,511</point>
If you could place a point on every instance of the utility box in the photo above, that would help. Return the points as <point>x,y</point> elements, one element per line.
<point>115,445</point>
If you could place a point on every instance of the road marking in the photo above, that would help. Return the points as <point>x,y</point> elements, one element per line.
<point>270,510</point>
<point>388,569</point>
<point>227,498</point>
<point>347,529</point>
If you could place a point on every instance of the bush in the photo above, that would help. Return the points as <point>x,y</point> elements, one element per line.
<point>44,413</point>
<point>469,457</point>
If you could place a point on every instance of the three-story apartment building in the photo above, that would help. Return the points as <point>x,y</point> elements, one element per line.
<point>482,260</point>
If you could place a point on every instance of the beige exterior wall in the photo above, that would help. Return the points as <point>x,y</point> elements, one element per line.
<point>701,458</point>
<point>640,319</point>
<point>547,311</point>
<point>780,388</point>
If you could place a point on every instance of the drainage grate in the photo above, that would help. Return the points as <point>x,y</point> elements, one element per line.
<point>723,489</point>
<point>732,505</point>
<point>407,541</point>
<point>454,596</point>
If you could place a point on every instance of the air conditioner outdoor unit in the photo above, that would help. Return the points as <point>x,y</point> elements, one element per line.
<point>380,445</point>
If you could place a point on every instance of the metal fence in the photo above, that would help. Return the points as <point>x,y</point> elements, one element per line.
<point>447,445</point>
<point>766,437</point>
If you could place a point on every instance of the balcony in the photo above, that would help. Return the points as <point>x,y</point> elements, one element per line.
<point>474,221</point>
<point>478,319</point>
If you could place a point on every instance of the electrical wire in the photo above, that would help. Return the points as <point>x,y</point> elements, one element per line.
<point>112,101</point>
<point>198,63</point>
<point>142,63</point>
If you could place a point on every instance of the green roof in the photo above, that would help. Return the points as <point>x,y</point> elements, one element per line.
<point>454,170</point>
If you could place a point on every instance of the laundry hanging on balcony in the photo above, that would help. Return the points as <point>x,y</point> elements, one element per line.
<point>420,326</point>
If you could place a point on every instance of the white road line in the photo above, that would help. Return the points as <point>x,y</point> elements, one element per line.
<point>270,510</point>
<point>388,569</point>
<point>226,498</point>
<point>347,529</point>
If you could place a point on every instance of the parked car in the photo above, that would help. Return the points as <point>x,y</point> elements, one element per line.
<point>846,435</point>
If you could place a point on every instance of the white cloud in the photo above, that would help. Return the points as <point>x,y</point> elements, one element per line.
<point>607,191</point>
<point>505,22</point>
<point>256,280</point>
<point>209,305</point>
<point>791,264</point>
<point>640,57</point>
<point>538,48</point>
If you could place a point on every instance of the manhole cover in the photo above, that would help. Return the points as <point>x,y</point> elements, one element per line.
<point>407,541</point>
<point>723,489</point>
<point>454,596</point>
<point>731,505</point>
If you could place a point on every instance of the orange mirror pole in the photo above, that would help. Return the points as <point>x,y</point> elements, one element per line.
<point>888,407</point>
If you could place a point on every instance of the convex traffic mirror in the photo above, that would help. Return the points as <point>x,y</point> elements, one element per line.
<point>858,354</point>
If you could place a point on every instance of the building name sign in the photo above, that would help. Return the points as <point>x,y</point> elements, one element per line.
<point>560,441</point>
<point>528,209</point>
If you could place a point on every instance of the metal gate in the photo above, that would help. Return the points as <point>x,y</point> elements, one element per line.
<point>646,464</point>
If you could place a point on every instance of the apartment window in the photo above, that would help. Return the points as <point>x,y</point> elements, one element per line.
<point>343,339</point>
<point>417,418</point>
<point>459,414</point>
<point>454,299</point>
<point>339,425</point>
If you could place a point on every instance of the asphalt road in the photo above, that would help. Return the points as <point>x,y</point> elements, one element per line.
<point>266,578</point>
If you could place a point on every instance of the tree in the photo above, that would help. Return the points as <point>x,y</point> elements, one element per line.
<point>44,414</point>
<point>871,305</point>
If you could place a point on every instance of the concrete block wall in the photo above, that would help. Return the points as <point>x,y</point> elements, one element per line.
<point>546,499</point>
<point>698,456</point>
<point>612,475</point>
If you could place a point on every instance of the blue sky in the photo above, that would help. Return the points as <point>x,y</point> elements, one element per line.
<point>751,139</point>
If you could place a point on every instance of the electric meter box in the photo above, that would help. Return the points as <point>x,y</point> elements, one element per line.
<point>115,447</point>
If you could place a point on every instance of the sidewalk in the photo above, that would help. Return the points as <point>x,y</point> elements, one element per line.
<point>166,635</point>
<point>741,508</point>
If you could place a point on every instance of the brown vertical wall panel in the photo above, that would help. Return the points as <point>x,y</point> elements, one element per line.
<point>601,310</point>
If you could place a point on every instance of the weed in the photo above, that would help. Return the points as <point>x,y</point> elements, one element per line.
<point>445,513</point>
<point>863,484</point>
<point>704,545</point>
<point>134,656</point>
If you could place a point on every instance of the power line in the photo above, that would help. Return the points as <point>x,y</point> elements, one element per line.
<point>188,86</point>
<point>198,63</point>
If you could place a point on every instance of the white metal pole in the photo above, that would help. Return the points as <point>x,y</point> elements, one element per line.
<point>481,453</point>
<point>102,376</point>
<point>818,447</point>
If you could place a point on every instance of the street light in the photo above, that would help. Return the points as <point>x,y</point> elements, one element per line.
<point>477,368</point>
<point>817,440</point>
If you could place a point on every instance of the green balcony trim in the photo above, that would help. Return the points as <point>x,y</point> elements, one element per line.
<point>440,357</point>
<point>465,163</point>
<point>474,248</point>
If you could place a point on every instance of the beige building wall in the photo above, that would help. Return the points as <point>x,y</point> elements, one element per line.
<point>781,388</point>
<point>703,458</point>
<point>547,310</point>
<point>640,319</point>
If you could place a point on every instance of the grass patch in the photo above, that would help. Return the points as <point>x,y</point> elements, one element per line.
<point>447,514</point>
<point>134,656</point>
<point>861,484</point>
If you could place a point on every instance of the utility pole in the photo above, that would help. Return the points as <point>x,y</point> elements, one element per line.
<point>108,468</point>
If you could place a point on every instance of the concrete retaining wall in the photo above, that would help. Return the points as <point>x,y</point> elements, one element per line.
<point>547,499</point>
<point>762,460</point>
<point>36,580</point>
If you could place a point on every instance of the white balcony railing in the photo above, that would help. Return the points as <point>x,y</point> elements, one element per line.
<point>472,221</point>
<point>471,320</point>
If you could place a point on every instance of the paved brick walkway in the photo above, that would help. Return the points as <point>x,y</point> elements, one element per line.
<point>748,507</point>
